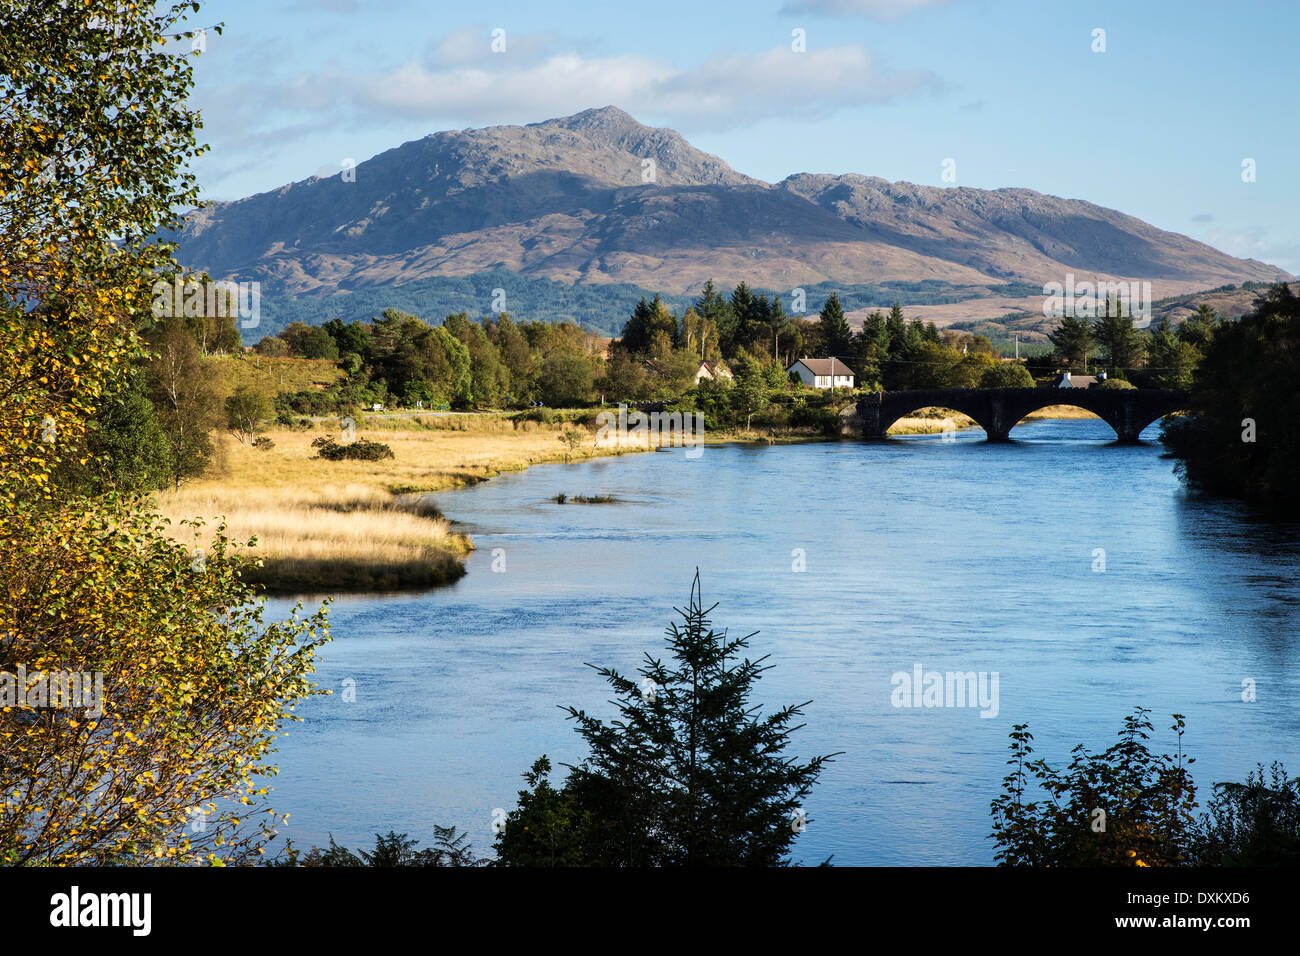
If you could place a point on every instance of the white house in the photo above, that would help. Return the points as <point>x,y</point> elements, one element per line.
<point>1079,381</point>
<point>711,370</point>
<point>823,373</point>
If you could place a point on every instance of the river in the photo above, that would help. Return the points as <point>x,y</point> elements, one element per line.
<point>951,555</point>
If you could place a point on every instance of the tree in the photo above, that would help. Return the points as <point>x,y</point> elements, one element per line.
<point>188,688</point>
<point>566,378</point>
<point>744,312</point>
<point>246,410</point>
<point>1241,436</point>
<point>310,341</point>
<point>572,439</point>
<point>750,395</point>
<point>871,349</point>
<point>690,774</point>
<point>125,445</point>
<point>834,327</point>
<point>645,321</point>
<point>778,322</point>
<point>450,848</point>
<point>183,398</point>
<point>1119,340</point>
<point>1007,375</point>
<point>272,346</point>
<point>1173,360</point>
<point>1072,340</point>
<point>713,308</point>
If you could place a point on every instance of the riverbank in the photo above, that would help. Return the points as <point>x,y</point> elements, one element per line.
<point>359,526</point>
<point>362,526</point>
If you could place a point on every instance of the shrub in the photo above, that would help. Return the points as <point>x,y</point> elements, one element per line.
<point>1123,807</point>
<point>1256,823</point>
<point>1114,383</point>
<point>363,449</point>
<point>1006,375</point>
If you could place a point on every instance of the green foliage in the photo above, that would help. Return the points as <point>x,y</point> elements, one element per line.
<point>565,378</point>
<point>363,449</point>
<point>246,410</point>
<point>1255,823</point>
<point>309,341</point>
<point>572,439</point>
<point>1173,357</point>
<point>183,399</point>
<point>1122,807</point>
<point>125,448</point>
<point>1242,435</point>
<point>834,327</point>
<point>1006,375</point>
<point>1073,340</point>
<point>272,347</point>
<point>1128,807</point>
<point>688,775</point>
<point>450,848</point>
<point>751,392</point>
<point>1115,384</point>
<point>1123,344</point>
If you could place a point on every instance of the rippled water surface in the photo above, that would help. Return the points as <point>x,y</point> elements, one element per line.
<point>957,556</point>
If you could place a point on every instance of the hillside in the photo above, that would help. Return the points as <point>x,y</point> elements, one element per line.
<point>563,201</point>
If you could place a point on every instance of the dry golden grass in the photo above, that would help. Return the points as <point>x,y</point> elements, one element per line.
<point>933,423</point>
<point>1060,411</point>
<point>356,525</point>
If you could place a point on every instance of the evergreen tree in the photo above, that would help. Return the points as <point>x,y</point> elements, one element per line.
<point>1172,361</point>
<point>1241,435</point>
<point>690,774</point>
<point>744,308</point>
<point>1119,339</point>
<point>1072,340</point>
<point>834,327</point>
<point>712,307</point>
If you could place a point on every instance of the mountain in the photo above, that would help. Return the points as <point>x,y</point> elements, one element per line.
<point>1228,302</point>
<point>565,200</point>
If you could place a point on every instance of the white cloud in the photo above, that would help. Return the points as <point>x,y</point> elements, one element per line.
<point>872,9</point>
<point>1252,242</point>
<point>725,91</point>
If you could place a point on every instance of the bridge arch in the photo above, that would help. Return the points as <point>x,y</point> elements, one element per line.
<point>998,410</point>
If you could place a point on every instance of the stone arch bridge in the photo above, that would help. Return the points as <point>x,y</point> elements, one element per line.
<point>998,410</point>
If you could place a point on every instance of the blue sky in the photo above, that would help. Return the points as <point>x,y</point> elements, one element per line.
<point>1157,126</point>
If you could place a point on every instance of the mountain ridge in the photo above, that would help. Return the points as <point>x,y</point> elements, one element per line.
<point>567,199</point>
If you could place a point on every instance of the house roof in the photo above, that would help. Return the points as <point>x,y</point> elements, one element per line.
<point>1078,381</point>
<point>823,366</point>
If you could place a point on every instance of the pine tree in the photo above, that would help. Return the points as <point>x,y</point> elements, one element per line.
<point>1122,342</point>
<point>834,327</point>
<point>1072,340</point>
<point>689,774</point>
